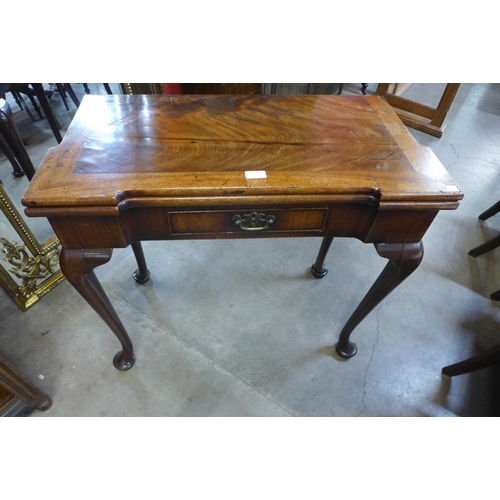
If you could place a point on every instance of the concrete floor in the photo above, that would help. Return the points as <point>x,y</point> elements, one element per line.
<point>240,328</point>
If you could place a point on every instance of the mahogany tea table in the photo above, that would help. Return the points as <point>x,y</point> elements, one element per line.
<point>150,167</point>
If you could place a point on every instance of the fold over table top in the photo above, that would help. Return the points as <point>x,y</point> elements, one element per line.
<point>122,151</point>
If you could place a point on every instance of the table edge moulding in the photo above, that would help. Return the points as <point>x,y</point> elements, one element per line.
<point>133,168</point>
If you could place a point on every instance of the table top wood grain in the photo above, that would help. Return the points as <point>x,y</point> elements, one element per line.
<point>122,150</point>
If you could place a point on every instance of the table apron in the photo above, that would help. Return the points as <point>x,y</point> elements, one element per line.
<point>361,221</point>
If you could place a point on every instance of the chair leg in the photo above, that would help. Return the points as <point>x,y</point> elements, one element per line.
<point>71,92</point>
<point>108,88</point>
<point>15,95</point>
<point>62,93</point>
<point>485,247</point>
<point>490,212</point>
<point>490,244</point>
<point>13,140</point>
<point>42,98</point>
<point>4,147</point>
<point>482,360</point>
<point>22,104</point>
<point>33,101</point>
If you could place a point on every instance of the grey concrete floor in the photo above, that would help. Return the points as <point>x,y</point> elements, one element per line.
<point>240,328</point>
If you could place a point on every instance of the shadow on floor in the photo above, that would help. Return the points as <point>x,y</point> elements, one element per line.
<point>476,393</point>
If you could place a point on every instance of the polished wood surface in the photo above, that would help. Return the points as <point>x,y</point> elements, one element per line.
<point>147,167</point>
<point>126,150</point>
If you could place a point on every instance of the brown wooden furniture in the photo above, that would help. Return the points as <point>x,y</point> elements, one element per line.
<point>40,94</point>
<point>106,87</point>
<point>64,88</point>
<point>419,116</point>
<point>478,362</point>
<point>19,396</point>
<point>490,244</point>
<point>32,267</point>
<point>492,355</point>
<point>17,94</point>
<point>149,167</point>
<point>233,88</point>
<point>12,145</point>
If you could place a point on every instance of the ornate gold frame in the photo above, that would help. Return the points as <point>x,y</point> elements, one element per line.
<point>35,264</point>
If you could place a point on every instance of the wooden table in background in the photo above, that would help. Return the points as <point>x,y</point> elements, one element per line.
<point>416,115</point>
<point>145,167</point>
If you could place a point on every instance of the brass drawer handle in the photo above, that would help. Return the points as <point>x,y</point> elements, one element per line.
<point>254,221</point>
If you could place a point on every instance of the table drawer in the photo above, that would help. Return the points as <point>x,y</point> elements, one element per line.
<point>250,221</point>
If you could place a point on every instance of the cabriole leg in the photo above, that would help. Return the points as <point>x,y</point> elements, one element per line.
<point>404,258</point>
<point>78,265</point>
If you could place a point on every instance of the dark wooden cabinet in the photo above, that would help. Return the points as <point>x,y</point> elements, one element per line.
<point>301,88</point>
<point>222,88</point>
<point>261,88</point>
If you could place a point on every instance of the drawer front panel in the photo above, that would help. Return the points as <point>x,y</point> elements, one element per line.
<point>258,220</point>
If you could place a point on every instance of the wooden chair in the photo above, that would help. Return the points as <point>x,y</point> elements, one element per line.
<point>64,88</point>
<point>419,116</point>
<point>12,145</point>
<point>106,87</point>
<point>41,96</point>
<point>478,362</point>
<point>490,244</point>
<point>17,93</point>
<point>492,355</point>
